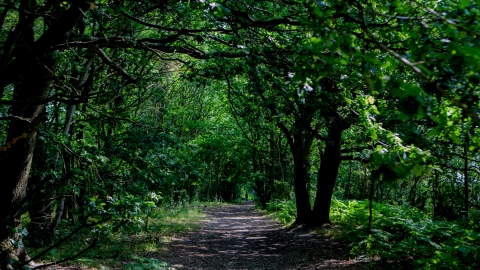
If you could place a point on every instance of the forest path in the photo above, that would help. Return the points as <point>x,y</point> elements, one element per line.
<point>238,237</point>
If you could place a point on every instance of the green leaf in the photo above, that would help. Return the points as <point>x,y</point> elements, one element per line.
<point>433,132</point>
<point>411,89</point>
<point>456,139</point>
<point>403,116</point>
<point>463,3</point>
<point>417,169</point>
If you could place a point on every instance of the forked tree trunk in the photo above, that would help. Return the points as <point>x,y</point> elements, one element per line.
<point>301,148</point>
<point>300,141</point>
<point>327,175</point>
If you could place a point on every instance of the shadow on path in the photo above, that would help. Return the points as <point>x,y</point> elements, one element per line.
<point>238,237</point>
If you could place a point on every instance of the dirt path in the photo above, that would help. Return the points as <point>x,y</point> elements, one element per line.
<point>238,237</point>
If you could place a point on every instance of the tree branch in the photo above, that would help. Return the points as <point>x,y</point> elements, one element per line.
<point>53,35</point>
<point>350,157</point>
<point>179,30</point>
<point>41,101</point>
<point>280,124</point>
<point>92,245</point>
<point>114,66</point>
<point>415,69</point>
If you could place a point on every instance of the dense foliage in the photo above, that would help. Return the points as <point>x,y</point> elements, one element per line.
<point>112,109</point>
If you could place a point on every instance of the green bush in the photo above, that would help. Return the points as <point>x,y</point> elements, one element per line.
<point>400,233</point>
<point>403,233</point>
<point>285,210</point>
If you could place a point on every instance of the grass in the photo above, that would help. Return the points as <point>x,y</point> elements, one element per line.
<point>134,246</point>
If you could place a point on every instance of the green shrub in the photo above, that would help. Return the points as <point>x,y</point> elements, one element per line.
<point>403,232</point>
<point>285,211</point>
<point>400,233</point>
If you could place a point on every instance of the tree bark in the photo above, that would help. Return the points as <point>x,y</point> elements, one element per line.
<point>301,148</point>
<point>327,173</point>
<point>300,142</point>
<point>16,154</point>
<point>29,72</point>
<point>12,72</point>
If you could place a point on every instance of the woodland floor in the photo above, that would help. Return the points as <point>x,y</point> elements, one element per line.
<point>239,237</point>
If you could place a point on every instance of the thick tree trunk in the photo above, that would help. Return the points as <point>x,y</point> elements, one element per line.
<point>16,154</point>
<point>300,142</point>
<point>301,149</point>
<point>326,177</point>
<point>29,72</point>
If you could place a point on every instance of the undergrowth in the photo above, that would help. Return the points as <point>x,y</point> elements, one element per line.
<point>399,233</point>
<point>133,245</point>
<point>284,211</point>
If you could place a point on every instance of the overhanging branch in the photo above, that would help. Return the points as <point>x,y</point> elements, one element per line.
<point>116,67</point>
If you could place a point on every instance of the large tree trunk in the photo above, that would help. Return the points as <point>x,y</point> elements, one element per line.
<point>327,175</point>
<point>16,157</point>
<point>16,154</point>
<point>301,148</point>
<point>30,73</point>
<point>300,141</point>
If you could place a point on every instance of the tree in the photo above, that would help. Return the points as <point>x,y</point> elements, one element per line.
<point>379,84</point>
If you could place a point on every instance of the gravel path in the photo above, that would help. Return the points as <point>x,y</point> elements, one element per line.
<point>238,237</point>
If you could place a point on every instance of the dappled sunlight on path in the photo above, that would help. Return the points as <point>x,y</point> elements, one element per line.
<point>238,237</point>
